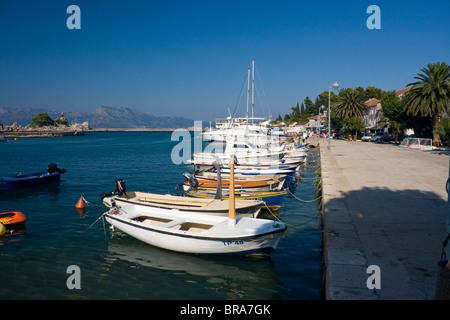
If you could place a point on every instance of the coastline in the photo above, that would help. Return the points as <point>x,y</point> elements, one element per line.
<point>50,134</point>
<point>136,129</point>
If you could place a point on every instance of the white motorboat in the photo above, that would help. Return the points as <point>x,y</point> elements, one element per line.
<point>245,153</point>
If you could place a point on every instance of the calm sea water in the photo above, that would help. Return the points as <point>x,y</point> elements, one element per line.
<point>113,265</point>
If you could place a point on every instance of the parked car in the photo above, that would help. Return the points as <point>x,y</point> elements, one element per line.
<point>367,136</point>
<point>379,137</point>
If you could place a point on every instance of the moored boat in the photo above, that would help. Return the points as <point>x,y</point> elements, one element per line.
<point>246,185</point>
<point>197,232</point>
<point>152,202</point>
<point>273,200</point>
<point>51,175</point>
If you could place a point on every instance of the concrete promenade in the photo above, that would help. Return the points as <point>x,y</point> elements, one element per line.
<point>383,205</point>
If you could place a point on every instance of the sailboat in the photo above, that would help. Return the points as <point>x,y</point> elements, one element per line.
<point>199,233</point>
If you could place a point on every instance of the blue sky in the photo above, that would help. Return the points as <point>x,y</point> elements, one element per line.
<point>190,58</point>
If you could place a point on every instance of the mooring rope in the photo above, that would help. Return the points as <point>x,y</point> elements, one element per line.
<point>96,220</point>
<point>290,225</point>
<point>301,199</point>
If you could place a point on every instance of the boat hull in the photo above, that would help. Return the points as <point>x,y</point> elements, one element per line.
<point>243,208</point>
<point>28,180</point>
<point>246,237</point>
<point>249,185</point>
<point>272,200</point>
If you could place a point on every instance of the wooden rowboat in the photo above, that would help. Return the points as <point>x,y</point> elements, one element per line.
<point>247,185</point>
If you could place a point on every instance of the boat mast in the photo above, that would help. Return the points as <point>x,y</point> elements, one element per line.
<point>253,87</point>
<point>248,90</point>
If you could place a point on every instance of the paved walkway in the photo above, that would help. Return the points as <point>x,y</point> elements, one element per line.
<point>383,205</point>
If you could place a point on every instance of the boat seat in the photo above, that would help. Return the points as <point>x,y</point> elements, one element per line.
<point>173,223</point>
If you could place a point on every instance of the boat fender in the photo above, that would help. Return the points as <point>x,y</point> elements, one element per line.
<point>2,229</point>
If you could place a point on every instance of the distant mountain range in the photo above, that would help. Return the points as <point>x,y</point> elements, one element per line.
<point>102,117</point>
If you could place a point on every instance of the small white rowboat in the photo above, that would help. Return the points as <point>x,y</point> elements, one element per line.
<point>199,233</point>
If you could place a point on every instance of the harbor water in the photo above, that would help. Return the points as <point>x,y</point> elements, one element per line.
<point>35,260</point>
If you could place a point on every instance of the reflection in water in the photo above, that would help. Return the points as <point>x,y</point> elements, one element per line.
<point>236,277</point>
<point>57,236</point>
<point>13,234</point>
<point>51,189</point>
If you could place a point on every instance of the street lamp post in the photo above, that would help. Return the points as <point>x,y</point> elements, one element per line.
<point>335,87</point>
<point>322,107</point>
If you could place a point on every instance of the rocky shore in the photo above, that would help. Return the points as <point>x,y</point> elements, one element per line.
<point>16,131</point>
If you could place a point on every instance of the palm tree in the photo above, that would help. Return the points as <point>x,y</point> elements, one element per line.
<point>430,96</point>
<point>349,103</point>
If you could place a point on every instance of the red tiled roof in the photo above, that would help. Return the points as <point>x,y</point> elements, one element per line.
<point>372,102</point>
<point>402,91</point>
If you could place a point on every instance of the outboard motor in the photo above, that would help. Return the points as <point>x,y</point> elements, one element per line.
<point>191,179</point>
<point>121,187</point>
<point>52,167</point>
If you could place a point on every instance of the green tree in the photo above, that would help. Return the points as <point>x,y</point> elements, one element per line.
<point>41,120</point>
<point>279,118</point>
<point>373,92</point>
<point>310,107</point>
<point>443,129</point>
<point>302,110</point>
<point>430,95</point>
<point>355,124</point>
<point>295,115</point>
<point>363,93</point>
<point>349,103</point>
<point>322,99</point>
<point>394,112</point>
<point>61,121</point>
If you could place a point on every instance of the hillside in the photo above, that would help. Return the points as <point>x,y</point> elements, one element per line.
<point>102,117</point>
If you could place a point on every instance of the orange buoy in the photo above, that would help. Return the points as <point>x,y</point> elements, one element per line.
<point>80,204</point>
